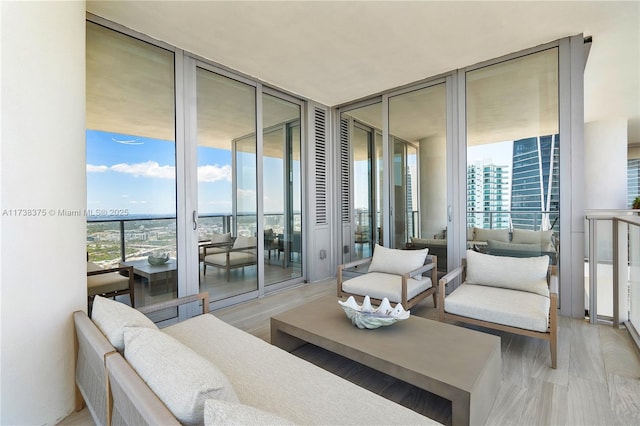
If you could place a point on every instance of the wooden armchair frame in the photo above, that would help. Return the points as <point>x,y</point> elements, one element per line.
<point>227,266</point>
<point>551,335</point>
<point>430,265</point>
<point>129,290</point>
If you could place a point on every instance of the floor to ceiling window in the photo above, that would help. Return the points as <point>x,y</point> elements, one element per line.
<point>282,190</point>
<point>131,160</point>
<point>227,203</point>
<point>513,156</point>
<point>418,130</point>
<point>362,169</point>
<point>237,181</point>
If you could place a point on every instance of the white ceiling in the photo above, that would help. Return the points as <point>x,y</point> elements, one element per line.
<point>336,52</point>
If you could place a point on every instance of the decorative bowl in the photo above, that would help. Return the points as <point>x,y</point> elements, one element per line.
<point>158,260</point>
<point>366,316</point>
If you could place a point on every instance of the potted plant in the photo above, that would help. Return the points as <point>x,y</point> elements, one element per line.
<point>636,203</point>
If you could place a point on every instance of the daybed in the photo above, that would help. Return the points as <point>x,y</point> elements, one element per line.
<point>517,295</point>
<point>204,370</point>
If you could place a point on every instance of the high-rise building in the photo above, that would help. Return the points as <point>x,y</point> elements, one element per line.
<point>633,180</point>
<point>488,195</point>
<point>535,189</point>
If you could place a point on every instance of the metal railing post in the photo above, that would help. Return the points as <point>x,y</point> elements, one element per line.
<point>122,245</point>
<point>593,270</point>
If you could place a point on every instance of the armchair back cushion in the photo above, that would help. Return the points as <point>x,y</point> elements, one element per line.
<point>524,274</point>
<point>398,262</point>
<point>220,238</point>
<point>245,242</point>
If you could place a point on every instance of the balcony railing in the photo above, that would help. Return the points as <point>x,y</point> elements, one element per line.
<point>612,266</point>
<point>114,240</point>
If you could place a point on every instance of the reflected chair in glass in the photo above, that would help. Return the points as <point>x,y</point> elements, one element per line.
<point>109,282</point>
<point>243,253</point>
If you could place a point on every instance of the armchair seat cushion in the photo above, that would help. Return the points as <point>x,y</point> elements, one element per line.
<point>104,283</point>
<point>521,309</point>
<point>378,285</point>
<point>236,258</point>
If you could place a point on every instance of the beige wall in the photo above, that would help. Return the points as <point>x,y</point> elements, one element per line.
<point>42,167</point>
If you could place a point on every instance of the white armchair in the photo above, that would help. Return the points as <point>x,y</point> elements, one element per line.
<point>394,274</point>
<point>517,295</point>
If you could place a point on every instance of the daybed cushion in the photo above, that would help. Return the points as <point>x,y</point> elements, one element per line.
<point>104,283</point>
<point>523,236</point>
<point>112,317</point>
<point>515,308</point>
<point>481,234</point>
<point>181,378</point>
<point>270,379</point>
<point>224,413</point>
<point>379,285</point>
<point>525,274</point>
<point>393,261</point>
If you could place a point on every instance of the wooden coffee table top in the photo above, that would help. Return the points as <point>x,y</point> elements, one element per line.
<point>441,358</point>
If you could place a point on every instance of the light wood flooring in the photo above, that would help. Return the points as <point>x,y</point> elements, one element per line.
<point>597,381</point>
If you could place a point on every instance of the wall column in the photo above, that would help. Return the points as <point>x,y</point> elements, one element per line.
<point>43,228</point>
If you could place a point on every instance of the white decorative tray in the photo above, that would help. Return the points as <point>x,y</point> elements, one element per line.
<point>366,316</point>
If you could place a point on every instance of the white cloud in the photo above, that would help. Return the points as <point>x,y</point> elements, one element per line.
<point>147,169</point>
<point>246,193</point>
<point>96,169</point>
<point>152,169</point>
<point>214,173</point>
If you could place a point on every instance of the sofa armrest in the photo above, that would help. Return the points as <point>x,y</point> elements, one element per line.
<point>177,302</point>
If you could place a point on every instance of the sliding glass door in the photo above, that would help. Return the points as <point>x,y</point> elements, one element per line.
<point>227,196</point>
<point>131,163</point>
<point>418,133</point>
<point>362,168</point>
<point>282,190</point>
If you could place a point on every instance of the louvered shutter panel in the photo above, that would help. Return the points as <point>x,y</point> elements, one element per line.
<point>320,121</point>
<point>345,176</point>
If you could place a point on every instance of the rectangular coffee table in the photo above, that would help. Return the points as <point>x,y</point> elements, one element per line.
<point>461,365</point>
<point>155,274</point>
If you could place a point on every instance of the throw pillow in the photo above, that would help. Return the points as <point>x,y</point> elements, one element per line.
<point>523,236</point>
<point>242,242</point>
<point>480,234</point>
<point>516,273</point>
<point>112,317</point>
<point>398,262</point>
<point>220,238</point>
<point>181,378</point>
<point>226,413</point>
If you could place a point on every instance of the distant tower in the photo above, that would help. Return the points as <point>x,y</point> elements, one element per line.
<point>535,186</point>
<point>488,195</point>
<point>633,180</point>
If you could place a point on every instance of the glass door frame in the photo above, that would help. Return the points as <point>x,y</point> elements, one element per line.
<point>452,180</point>
<point>189,183</point>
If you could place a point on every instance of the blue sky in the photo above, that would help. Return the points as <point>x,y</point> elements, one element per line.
<point>138,174</point>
